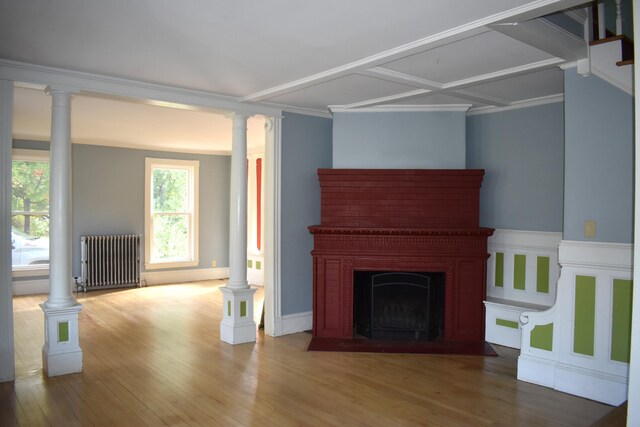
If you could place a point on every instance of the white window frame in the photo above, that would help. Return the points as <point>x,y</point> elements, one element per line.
<point>192,166</point>
<point>36,270</point>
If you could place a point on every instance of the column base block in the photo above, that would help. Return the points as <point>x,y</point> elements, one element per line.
<point>238,333</point>
<point>61,363</point>
<point>237,326</point>
<point>61,353</point>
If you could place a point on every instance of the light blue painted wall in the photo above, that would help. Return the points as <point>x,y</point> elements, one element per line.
<point>522,153</point>
<point>306,146</point>
<point>599,159</point>
<point>434,140</point>
<point>108,197</point>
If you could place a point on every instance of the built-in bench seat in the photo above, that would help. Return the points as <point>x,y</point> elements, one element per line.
<point>522,275</point>
<point>503,320</point>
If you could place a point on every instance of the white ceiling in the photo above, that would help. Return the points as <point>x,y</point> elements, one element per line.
<point>311,56</point>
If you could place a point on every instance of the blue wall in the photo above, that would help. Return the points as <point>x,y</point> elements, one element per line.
<point>108,197</point>
<point>522,153</point>
<point>599,159</point>
<point>414,140</point>
<point>306,146</point>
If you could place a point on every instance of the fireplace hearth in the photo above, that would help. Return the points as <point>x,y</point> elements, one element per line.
<point>407,222</point>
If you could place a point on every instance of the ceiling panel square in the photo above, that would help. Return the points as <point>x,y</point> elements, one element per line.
<point>482,54</point>
<point>526,86</point>
<point>342,91</point>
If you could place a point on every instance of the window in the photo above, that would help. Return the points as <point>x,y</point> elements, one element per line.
<point>30,210</point>
<point>171,213</point>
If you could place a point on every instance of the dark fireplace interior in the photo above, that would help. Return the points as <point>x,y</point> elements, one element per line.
<point>399,306</point>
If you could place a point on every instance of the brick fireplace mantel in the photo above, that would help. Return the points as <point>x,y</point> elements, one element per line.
<point>407,220</point>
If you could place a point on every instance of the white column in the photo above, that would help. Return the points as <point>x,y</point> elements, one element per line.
<point>237,324</point>
<point>61,353</point>
<point>7,361</point>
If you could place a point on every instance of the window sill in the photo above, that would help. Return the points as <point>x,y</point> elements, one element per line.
<point>30,271</point>
<point>174,264</point>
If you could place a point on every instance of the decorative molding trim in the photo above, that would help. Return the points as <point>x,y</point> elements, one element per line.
<point>38,74</point>
<point>533,102</point>
<point>31,287</point>
<point>38,271</point>
<point>116,144</point>
<point>177,276</point>
<point>611,256</point>
<point>294,323</point>
<point>463,31</point>
<point>298,110</point>
<point>402,108</point>
<point>521,239</point>
<point>568,65</point>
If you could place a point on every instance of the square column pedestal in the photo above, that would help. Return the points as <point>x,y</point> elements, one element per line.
<point>61,353</point>
<point>237,324</point>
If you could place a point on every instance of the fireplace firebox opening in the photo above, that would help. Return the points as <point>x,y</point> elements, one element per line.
<point>399,306</point>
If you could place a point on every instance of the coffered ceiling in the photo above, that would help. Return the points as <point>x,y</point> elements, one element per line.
<point>304,56</point>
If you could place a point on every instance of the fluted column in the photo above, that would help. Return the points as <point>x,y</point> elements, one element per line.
<point>61,353</point>
<point>237,324</point>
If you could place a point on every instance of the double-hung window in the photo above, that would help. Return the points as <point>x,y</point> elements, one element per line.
<point>30,211</point>
<point>171,213</point>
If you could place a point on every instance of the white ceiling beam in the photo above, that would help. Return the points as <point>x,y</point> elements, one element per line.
<point>457,87</point>
<point>530,10</point>
<point>502,74</point>
<point>401,78</point>
<point>95,83</point>
<point>383,100</point>
<point>479,97</point>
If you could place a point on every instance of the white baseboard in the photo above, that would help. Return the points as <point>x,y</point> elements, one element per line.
<point>179,276</point>
<point>293,323</point>
<point>31,287</point>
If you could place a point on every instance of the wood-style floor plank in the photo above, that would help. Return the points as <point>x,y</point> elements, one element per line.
<point>152,357</point>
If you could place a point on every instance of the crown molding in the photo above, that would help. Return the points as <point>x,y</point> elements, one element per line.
<point>32,74</point>
<point>403,108</point>
<point>533,102</point>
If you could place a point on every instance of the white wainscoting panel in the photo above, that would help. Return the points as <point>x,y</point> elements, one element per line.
<point>579,345</point>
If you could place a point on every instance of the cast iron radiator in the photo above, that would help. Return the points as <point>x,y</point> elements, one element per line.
<point>110,261</point>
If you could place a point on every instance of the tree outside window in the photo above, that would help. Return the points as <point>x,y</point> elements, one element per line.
<point>30,208</point>
<point>171,238</point>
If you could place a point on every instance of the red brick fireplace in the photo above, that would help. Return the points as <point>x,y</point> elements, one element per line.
<point>400,221</point>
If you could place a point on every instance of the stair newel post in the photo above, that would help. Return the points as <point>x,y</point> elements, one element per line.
<point>602,26</point>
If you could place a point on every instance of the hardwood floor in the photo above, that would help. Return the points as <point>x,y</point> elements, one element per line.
<point>152,356</point>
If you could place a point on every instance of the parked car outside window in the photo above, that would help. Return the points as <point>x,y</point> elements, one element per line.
<point>28,250</point>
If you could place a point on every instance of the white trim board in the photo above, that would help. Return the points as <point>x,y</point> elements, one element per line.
<point>179,276</point>
<point>533,102</point>
<point>293,323</point>
<point>31,287</point>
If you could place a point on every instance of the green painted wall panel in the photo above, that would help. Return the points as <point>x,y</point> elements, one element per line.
<point>507,323</point>
<point>243,309</point>
<point>63,331</point>
<point>499,281</point>
<point>229,308</point>
<point>542,277</point>
<point>584,315</point>
<point>621,322</point>
<point>542,337</point>
<point>258,265</point>
<point>249,263</point>
<point>519,271</point>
